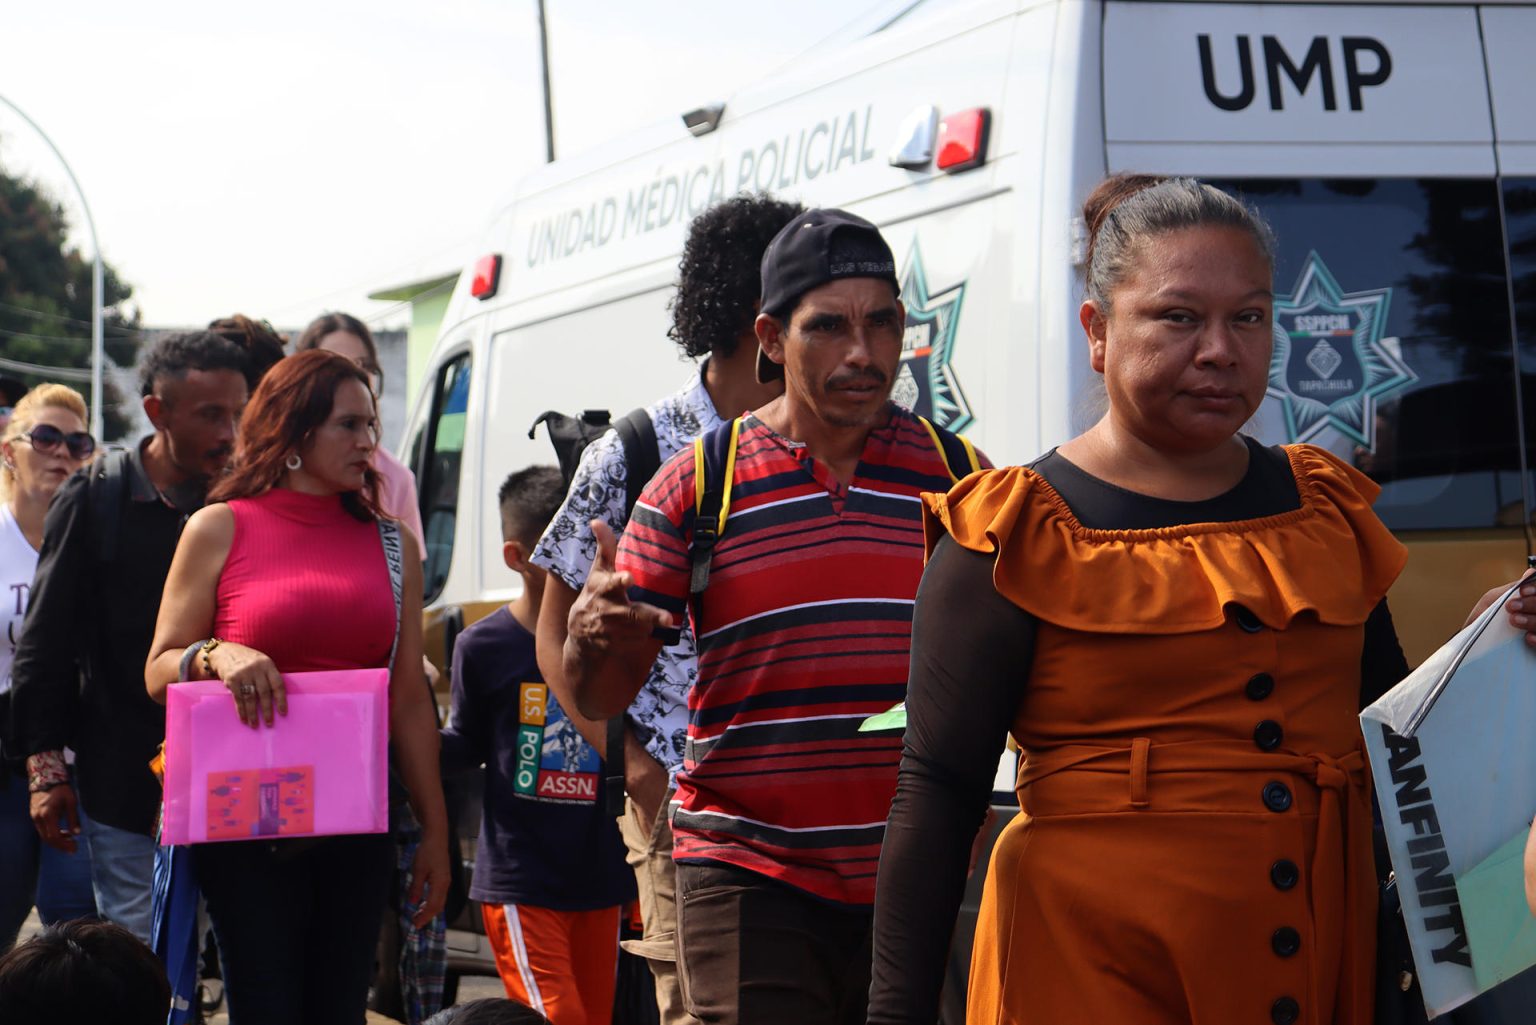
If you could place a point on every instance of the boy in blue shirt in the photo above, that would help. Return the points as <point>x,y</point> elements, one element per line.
<point>549,872</point>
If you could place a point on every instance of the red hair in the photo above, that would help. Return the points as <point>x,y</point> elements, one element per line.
<point>294,399</point>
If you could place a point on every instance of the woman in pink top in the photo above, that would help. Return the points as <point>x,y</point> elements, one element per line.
<point>284,572</point>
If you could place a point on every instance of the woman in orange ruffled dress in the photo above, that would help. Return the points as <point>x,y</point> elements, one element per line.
<point>1178,625</point>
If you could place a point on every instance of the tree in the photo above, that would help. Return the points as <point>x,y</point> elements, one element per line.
<point>45,300</point>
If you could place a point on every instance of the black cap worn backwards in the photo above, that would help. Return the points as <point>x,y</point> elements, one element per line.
<point>817,247</point>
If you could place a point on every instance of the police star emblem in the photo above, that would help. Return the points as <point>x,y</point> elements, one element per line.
<point>1331,365</point>
<point>926,383</point>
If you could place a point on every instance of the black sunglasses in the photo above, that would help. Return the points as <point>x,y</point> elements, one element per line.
<point>47,438</point>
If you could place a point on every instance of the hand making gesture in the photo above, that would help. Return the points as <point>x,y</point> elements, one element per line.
<point>612,640</point>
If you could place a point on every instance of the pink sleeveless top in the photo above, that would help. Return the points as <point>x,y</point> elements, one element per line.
<point>306,584</point>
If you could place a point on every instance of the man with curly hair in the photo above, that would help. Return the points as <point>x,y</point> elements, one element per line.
<point>717,300</point>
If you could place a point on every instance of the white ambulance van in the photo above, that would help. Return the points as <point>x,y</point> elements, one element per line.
<point>1391,145</point>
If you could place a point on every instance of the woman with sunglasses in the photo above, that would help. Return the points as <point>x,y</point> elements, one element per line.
<point>43,444</point>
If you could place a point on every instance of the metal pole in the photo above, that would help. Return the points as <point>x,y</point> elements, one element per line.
<point>98,347</point>
<point>549,110</point>
<point>98,354</point>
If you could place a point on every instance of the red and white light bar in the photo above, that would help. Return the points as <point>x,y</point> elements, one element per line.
<point>955,143</point>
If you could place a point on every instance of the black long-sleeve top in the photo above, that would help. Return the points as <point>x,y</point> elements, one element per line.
<point>78,676</point>
<point>971,652</point>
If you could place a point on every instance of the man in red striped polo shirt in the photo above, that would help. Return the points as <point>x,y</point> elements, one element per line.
<point>803,633</point>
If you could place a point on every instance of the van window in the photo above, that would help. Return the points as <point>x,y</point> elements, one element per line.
<point>439,471</point>
<point>415,447</point>
<point>1520,211</point>
<point>1393,346</point>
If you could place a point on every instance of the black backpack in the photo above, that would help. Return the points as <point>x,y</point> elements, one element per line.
<point>570,435</point>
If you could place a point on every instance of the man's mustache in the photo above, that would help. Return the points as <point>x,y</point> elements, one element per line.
<point>871,377</point>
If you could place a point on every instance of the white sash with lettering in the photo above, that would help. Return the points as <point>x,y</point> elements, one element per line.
<point>394,558</point>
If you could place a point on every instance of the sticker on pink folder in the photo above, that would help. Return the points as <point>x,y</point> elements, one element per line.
<point>261,802</point>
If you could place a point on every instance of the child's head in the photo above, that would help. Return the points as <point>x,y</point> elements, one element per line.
<point>528,499</point>
<point>83,971</point>
<point>491,1011</point>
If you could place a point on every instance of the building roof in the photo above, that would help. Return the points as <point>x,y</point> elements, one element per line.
<point>415,289</point>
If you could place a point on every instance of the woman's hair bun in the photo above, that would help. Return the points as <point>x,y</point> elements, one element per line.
<point>1110,193</point>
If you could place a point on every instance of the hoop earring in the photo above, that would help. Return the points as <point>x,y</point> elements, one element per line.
<point>293,462</point>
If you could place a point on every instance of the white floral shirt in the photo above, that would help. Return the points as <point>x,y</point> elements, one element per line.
<point>568,549</point>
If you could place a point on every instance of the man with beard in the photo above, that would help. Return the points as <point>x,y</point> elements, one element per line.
<point>78,676</point>
<point>803,632</point>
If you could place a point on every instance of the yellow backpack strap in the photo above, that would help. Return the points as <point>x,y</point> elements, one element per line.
<point>714,470</point>
<point>954,449</point>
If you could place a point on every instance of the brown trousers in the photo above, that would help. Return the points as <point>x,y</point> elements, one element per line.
<point>650,855</point>
<point>752,951</point>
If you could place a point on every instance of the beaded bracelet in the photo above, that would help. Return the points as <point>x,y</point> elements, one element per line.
<point>208,646</point>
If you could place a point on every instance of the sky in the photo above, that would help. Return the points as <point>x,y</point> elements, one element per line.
<point>287,158</point>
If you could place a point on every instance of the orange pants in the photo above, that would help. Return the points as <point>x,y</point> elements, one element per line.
<point>562,964</point>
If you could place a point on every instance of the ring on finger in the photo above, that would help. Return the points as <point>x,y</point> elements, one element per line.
<point>248,690</point>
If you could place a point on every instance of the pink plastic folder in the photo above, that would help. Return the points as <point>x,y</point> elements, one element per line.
<point>318,771</point>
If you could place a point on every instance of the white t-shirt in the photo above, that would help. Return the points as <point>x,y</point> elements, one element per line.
<point>18,563</point>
